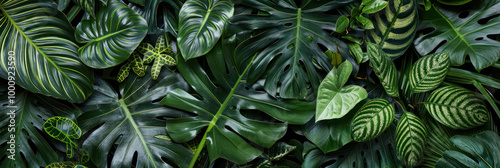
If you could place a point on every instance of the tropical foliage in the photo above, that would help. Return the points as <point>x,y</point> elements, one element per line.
<point>249,83</point>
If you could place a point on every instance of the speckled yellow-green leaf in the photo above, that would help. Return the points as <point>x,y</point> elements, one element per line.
<point>65,165</point>
<point>124,72</point>
<point>163,59</point>
<point>137,65</point>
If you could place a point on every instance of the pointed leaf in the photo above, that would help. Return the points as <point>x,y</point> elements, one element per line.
<point>137,65</point>
<point>87,5</point>
<point>342,23</point>
<point>374,6</point>
<point>410,139</point>
<point>429,72</point>
<point>372,120</point>
<point>384,68</point>
<point>65,165</point>
<point>124,72</point>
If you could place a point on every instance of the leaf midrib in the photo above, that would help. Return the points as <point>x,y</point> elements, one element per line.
<point>453,28</point>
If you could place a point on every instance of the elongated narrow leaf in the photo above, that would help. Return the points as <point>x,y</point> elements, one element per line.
<point>372,120</point>
<point>410,139</point>
<point>428,72</point>
<point>457,108</point>
<point>40,43</point>
<point>122,124</point>
<point>87,5</point>
<point>201,23</point>
<point>384,68</point>
<point>395,27</point>
<point>110,37</point>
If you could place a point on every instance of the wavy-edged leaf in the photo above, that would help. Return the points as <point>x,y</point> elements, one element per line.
<point>41,40</point>
<point>110,37</point>
<point>87,5</point>
<point>130,118</point>
<point>454,2</point>
<point>384,68</point>
<point>201,23</point>
<point>395,27</point>
<point>410,139</point>
<point>65,165</point>
<point>429,72</point>
<point>372,119</point>
<point>447,30</point>
<point>290,38</point>
<point>457,108</point>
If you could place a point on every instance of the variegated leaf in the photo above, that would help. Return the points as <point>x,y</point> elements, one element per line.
<point>457,108</point>
<point>411,135</point>
<point>372,120</point>
<point>124,72</point>
<point>137,65</point>
<point>384,68</point>
<point>67,164</point>
<point>162,60</point>
<point>428,72</point>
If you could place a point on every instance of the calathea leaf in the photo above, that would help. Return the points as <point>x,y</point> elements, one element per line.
<point>384,68</point>
<point>428,72</point>
<point>289,37</point>
<point>335,100</point>
<point>130,119</point>
<point>457,108</point>
<point>410,139</point>
<point>372,119</point>
<point>201,23</point>
<point>43,50</point>
<point>447,30</point>
<point>110,37</point>
<point>219,105</point>
<point>87,5</point>
<point>395,27</point>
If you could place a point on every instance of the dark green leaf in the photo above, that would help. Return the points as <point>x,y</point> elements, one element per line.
<point>410,139</point>
<point>372,120</point>
<point>342,23</point>
<point>487,95</point>
<point>374,6</point>
<point>454,2</point>
<point>87,5</point>
<point>429,72</point>
<point>384,68</point>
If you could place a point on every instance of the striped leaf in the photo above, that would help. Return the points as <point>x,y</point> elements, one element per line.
<point>457,108</point>
<point>411,135</point>
<point>372,120</point>
<point>384,68</point>
<point>87,5</point>
<point>41,41</point>
<point>395,27</point>
<point>428,72</point>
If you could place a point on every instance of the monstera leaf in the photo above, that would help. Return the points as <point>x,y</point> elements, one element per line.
<point>201,23</point>
<point>46,43</point>
<point>32,147</point>
<point>289,37</point>
<point>110,37</point>
<point>462,31</point>
<point>150,11</point>
<point>395,27</point>
<point>122,125</point>
<point>225,105</point>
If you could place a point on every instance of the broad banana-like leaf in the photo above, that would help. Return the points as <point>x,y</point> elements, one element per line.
<point>457,108</point>
<point>289,37</point>
<point>410,139</point>
<point>38,48</point>
<point>429,72</point>
<point>454,2</point>
<point>372,119</point>
<point>110,37</point>
<point>122,124</point>
<point>462,31</point>
<point>395,27</point>
<point>87,5</point>
<point>201,23</point>
<point>384,68</point>
<point>23,119</point>
<point>223,103</point>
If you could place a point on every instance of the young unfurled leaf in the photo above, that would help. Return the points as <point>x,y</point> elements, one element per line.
<point>342,23</point>
<point>384,68</point>
<point>372,120</point>
<point>410,138</point>
<point>429,72</point>
<point>374,6</point>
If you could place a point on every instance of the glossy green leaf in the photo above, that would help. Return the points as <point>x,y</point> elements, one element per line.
<point>336,58</point>
<point>288,24</point>
<point>41,41</point>
<point>372,120</point>
<point>87,5</point>
<point>429,72</point>
<point>365,22</point>
<point>395,27</point>
<point>357,52</point>
<point>330,135</point>
<point>462,35</point>
<point>153,10</point>
<point>334,100</point>
<point>384,68</point>
<point>487,95</point>
<point>67,164</point>
<point>201,23</point>
<point>410,139</point>
<point>454,2</point>
<point>122,124</point>
<point>64,130</point>
<point>427,4</point>
<point>273,154</point>
<point>111,37</point>
<point>342,23</point>
<point>457,108</point>
<point>374,6</point>
<point>62,4</point>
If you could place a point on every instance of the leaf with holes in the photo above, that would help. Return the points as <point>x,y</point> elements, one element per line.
<point>462,31</point>
<point>227,105</point>
<point>429,72</point>
<point>410,139</point>
<point>384,68</point>
<point>122,124</point>
<point>372,120</point>
<point>457,108</point>
<point>290,37</point>
<point>201,23</point>
<point>395,27</point>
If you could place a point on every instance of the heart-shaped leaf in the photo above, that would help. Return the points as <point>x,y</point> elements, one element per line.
<point>372,120</point>
<point>429,72</point>
<point>410,139</point>
<point>384,68</point>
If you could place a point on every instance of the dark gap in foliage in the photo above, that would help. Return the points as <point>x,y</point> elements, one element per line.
<point>161,118</point>
<point>463,14</point>
<point>365,162</point>
<point>247,88</point>
<point>288,24</point>
<point>134,159</point>
<point>485,20</point>
<point>353,164</point>
<point>32,146</point>
<point>169,162</point>
<point>258,115</point>
<point>323,48</point>
<point>493,36</point>
<point>331,162</point>
<point>4,145</point>
<point>3,105</point>
<point>25,132</point>
<point>78,17</point>
<point>426,31</point>
<point>287,67</point>
<point>439,45</point>
<point>111,153</point>
<point>479,38</point>
<point>157,100</point>
<point>23,158</point>
<point>328,31</point>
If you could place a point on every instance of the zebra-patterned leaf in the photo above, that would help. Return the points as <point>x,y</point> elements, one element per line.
<point>457,108</point>
<point>384,68</point>
<point>372,120</point>
<point>87,5</point>
<point>395,27</point>
<point>428,72</point>
<point>411,135</point>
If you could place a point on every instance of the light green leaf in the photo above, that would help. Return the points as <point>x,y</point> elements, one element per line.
<point>65,130</point>
<point>429,72</point>
<point>457,108</point>
<point>384,68</point>
<point>67,164</point>
<point>453,2</point>
<point>124,72</point>
<point>162,54</point>
<point>87,5</point>
<point>374,6</point>
<point>427,4</point>
<point>410,139</point>
<point>357,52</point>
<point>342,23</point>
<point>137,65</point>
<point>372,120</point>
